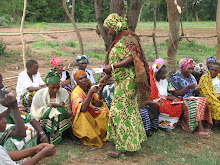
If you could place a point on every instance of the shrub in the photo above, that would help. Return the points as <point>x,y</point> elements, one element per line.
<point>3,46</point>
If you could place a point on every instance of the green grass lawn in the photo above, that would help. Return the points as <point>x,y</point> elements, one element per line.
<point>179,147</point>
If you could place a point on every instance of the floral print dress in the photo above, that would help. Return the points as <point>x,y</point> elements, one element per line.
<point>125,126</point>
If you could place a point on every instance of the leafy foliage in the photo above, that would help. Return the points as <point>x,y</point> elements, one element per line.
<point>3,46</point>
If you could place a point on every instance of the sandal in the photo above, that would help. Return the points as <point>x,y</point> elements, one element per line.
<point>203,134</point>
<point>115,153</point>
<point>208,131</point>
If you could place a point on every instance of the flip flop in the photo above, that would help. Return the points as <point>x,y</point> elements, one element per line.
<point>203,134</point>
<point>117,155</point>
<point>208,131</point>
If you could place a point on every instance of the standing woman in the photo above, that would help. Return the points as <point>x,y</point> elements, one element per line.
<point>65,81</point>
<point>126,63</point>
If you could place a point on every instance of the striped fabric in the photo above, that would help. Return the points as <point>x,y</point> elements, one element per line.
<point>194,111</point>
<point>148,125</point>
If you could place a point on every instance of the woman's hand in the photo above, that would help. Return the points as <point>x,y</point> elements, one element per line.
<point>191,86</point>
<point>172,98</point>
<point>94,89</point>
<point>160,103</point>
<point>197,89</point>
<point>107,69</point>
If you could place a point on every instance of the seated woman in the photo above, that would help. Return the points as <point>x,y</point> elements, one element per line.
<point>65,81</point>
<point>90,120</point>
<point>169,111</point>
<point>82,61</point>
<point>29,81</point>
<point>51,106</point>
<point>210,88</point>
<point>14,141</point>
<point>195,109</point>
<point>9,157</point>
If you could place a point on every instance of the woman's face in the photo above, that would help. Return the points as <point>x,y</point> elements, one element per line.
<point>59,66</point>
<point>214,70</point>
<point>3,122</point>
<point>53,88</point>
<point>110,31</point>
<point>82,66</point>
<point>188,70</point>
<point>33,69</point>
<point>161,75</point>
<point>82,80</point>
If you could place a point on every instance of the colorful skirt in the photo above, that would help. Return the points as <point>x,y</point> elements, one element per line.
<point>55,125</point>
<point>195,110</point>
<point>26,100</point>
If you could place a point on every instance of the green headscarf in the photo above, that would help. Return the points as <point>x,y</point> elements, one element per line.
<point>53,77</point>
<point>116,22</point>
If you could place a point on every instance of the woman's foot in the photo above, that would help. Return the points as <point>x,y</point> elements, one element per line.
<point>115,153</point>
<point>208,131</point>
<point>203,134</point>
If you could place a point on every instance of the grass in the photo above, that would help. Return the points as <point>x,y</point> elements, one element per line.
<point>191,49</point>
<point>178,148</point>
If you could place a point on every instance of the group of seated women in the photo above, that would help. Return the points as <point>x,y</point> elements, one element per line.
<point>55,106</point>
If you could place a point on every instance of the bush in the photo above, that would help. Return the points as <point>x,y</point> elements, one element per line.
<point>3,46</point>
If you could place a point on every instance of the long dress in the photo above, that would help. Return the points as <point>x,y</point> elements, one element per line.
<point>125,125</point>
<point>54,120</point>
<point>169,114</point>
<point>208,91</point>
<point>90,126</point>
<point>194,108</point>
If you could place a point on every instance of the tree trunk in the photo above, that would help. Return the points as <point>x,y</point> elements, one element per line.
<point>22,35</point>
<point>174,22</point>
<point>100,21</point>
<point>117,6</point>
<point>197,15</point>
<point>133,14</point>
<point>218,31</point>
<point>71,17</point>
<point>142,6</point>
<point>154,29</point>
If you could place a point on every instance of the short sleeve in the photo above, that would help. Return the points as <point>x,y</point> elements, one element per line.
<point>5,158</point>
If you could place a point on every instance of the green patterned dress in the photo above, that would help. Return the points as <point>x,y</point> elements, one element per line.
<point>125,126</point>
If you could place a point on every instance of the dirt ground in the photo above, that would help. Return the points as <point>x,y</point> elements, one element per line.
<point>13,69</point>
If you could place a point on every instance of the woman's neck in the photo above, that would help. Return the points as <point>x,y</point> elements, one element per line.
<point>184,75</point>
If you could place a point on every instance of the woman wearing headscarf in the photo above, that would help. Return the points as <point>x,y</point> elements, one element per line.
<point>126,63</point>
<point>170,110</point>
<point>65,81</point>
<point>51,107</point>
<point>90,113</point>
<point>209,61</point>
<point>210,88</point>
<point>195,109</point>
<point>82,61</point>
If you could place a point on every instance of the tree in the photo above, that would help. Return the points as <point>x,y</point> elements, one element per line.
<point>119,7</point>
<point>218,31</point>
<point>174,15</point>
<point>72,18</point>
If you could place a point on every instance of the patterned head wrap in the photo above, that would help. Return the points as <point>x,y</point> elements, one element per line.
<point>211,59</point>
<point>2,109</point>
<point>82,58</point>
<point>159,60</point>
<point>81,72</point>
<point>156,68</point>
<point>52,77</point>
<point>200,68</point>
<point>186,62</point>
<point>55,61</point>
<point>116,22</point>
<point>78,73</point>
